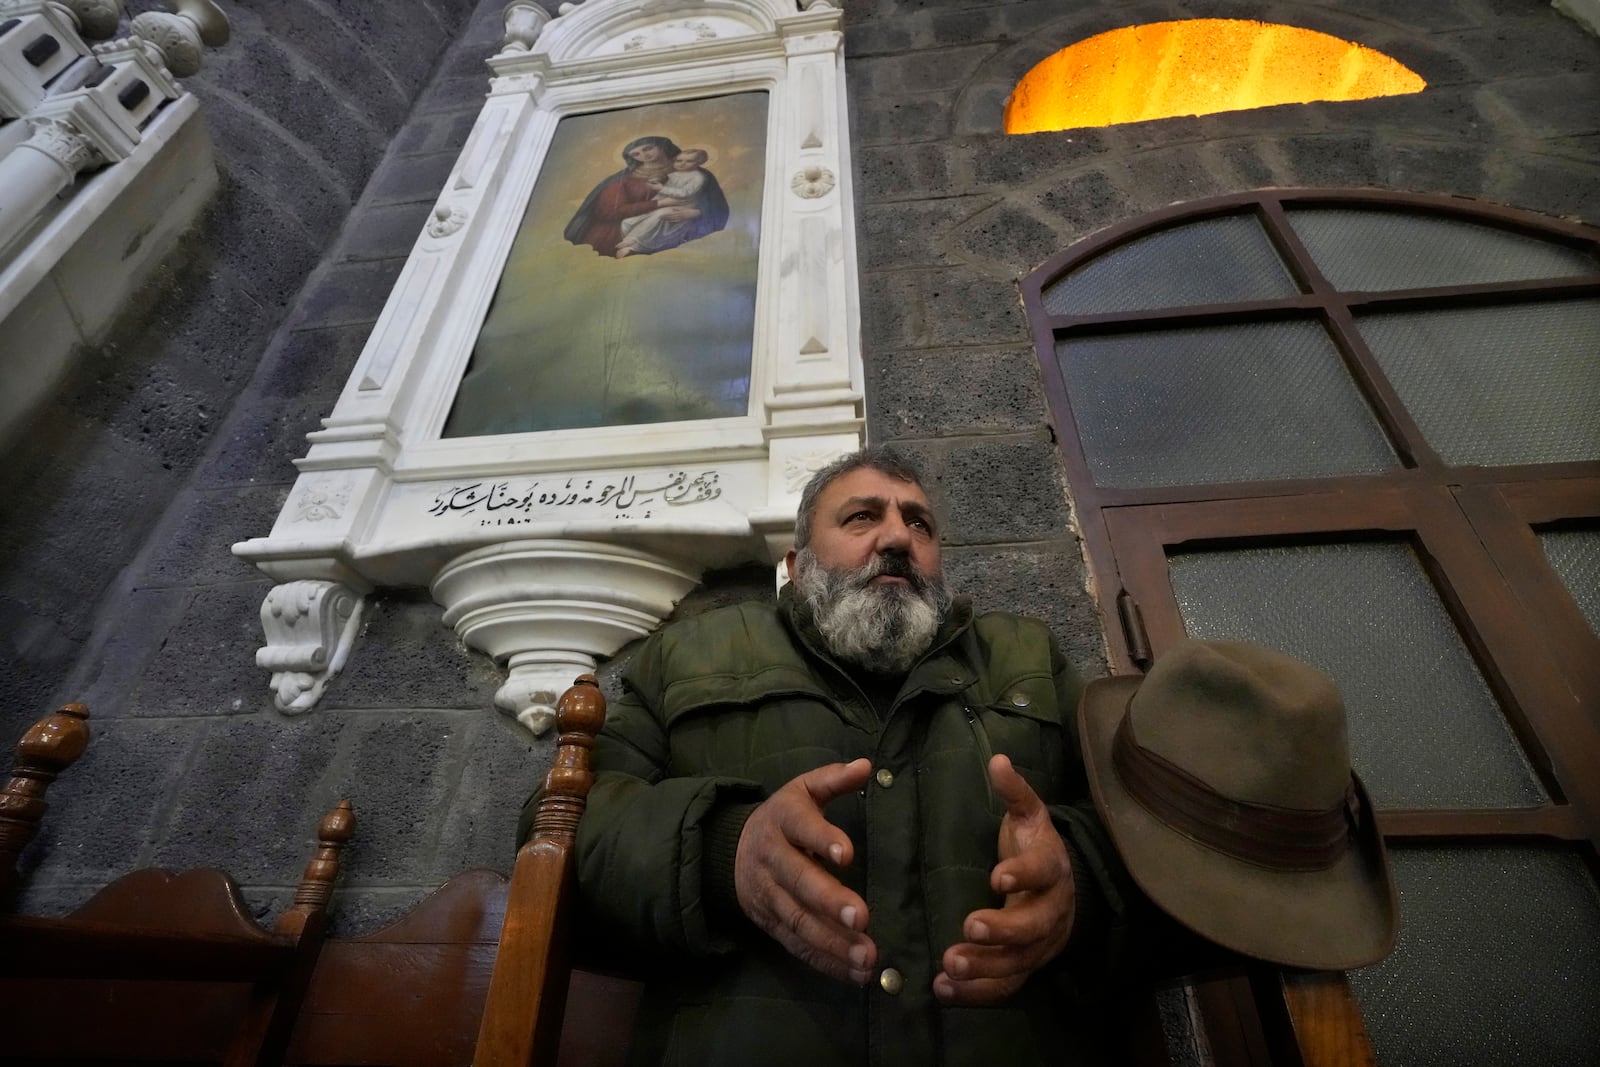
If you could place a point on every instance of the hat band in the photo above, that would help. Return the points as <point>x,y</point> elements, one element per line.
<point>1262,834</point>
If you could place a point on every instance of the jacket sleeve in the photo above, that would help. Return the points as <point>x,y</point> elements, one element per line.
<point>1119,937</point>
<point>1107,901</point>
<point>643,840</point>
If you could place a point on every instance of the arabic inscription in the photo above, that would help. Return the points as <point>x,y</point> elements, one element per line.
<point>509,503</point>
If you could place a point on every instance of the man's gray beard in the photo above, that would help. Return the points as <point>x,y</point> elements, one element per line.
<point>883,628</point>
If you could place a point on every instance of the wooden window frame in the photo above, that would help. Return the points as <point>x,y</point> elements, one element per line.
<point>1473,526</point>
<point>1473,529</point>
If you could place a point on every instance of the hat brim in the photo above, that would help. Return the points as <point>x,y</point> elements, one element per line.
<point>1340,917</point>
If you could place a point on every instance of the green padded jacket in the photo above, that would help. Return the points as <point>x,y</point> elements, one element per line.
<point>719,711</point>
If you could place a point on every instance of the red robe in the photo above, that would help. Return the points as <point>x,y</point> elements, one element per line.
<point>618,199</point>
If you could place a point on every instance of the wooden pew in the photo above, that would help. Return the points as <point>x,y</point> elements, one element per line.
<point>170,967</point>
<point>460,978</point>
<point>157,966</point>
<point>413,993</point>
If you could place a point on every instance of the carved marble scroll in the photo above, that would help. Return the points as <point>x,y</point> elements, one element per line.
<point>310,627</point>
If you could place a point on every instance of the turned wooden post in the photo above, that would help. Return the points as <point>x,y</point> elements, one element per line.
<point>49,747</point>
<point>263,1036</point>
<point>316,887</point>
<point>528,990</point>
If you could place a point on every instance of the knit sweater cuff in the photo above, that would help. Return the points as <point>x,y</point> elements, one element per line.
<point>1091,912</point>
<point>720,839</point>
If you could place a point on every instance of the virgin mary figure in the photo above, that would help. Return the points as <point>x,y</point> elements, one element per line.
<point>627,193</point>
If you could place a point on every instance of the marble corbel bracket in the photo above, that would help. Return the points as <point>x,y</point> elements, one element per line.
<point>547,609</point>
<point>775,526</point>
<point>310,627</point>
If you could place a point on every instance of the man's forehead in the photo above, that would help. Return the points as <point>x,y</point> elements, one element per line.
<point>865,483</point>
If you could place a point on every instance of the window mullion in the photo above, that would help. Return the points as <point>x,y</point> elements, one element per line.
<point>1404,435</point>
<point>1559,735</point>
<point>1504,516</point>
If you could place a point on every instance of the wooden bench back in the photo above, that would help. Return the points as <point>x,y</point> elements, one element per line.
<point>158,965</point>
<point>481,970</point>
<point>413,993</point>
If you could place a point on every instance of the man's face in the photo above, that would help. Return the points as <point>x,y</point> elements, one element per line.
<point>865,514</point>
<point>646,153</point>
<point>870,575</point>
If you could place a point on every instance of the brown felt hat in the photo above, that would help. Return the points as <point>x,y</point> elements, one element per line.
<point>1224,778</point>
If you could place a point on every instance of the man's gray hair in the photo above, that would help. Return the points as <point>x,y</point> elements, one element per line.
<point>878,458</point>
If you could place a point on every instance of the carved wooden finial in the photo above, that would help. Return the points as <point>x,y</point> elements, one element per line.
<point>581,709</point>
<point>580,713</point>
<point>50,746</point>
<point>316,888</point>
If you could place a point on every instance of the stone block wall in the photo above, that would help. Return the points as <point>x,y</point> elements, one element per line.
<point>301,104</point>
<point>117,586</point>
<point>335,123</point>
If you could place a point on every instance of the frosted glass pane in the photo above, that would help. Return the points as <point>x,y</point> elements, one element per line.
<point>1214,261</point>
<point>1497,385</point>
<point>1372,251</point>
<point>1251,402</point>
<point>1425,731</point>
<point>1575,557</point>
<point>1498,962</point>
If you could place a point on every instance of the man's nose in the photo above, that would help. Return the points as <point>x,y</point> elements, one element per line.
<point>893,534</point>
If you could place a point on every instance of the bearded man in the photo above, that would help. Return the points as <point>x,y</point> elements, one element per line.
<point>853,827</point>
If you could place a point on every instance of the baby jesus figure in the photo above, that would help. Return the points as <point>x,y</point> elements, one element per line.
<point>679,195</point>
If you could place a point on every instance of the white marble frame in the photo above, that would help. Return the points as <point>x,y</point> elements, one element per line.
<point>596,531</point>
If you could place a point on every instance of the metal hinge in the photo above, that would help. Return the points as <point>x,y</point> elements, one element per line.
<point>1133,631</point>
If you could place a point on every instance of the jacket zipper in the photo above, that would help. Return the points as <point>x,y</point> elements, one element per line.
<point>985,750</point>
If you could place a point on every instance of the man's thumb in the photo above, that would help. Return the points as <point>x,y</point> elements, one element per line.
<point>836,779</point>
<point>1014,789</point>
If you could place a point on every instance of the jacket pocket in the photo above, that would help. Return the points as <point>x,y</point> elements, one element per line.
<point>1029,736</point>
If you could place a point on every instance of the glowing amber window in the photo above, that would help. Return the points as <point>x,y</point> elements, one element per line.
<point>1197,67</point>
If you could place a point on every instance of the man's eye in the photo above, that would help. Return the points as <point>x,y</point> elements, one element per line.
<point>858,516</point>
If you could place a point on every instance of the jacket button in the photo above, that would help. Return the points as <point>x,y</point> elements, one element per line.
<point>1019,699</point>
<point>885,777</point>
<point>891,982</point>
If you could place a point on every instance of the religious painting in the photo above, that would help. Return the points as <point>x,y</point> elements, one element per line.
<point>630,292</point>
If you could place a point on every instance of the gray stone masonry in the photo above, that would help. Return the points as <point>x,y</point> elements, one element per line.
<point>175,440</point>
<point>301,104</point>
<point>115,521</point>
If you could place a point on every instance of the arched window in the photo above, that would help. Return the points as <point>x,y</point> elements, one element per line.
<point>1197,67</point>
<point>1365,428</point>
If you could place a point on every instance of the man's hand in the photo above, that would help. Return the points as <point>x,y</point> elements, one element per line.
<point>1005,946</point>
<point>784,888</point>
